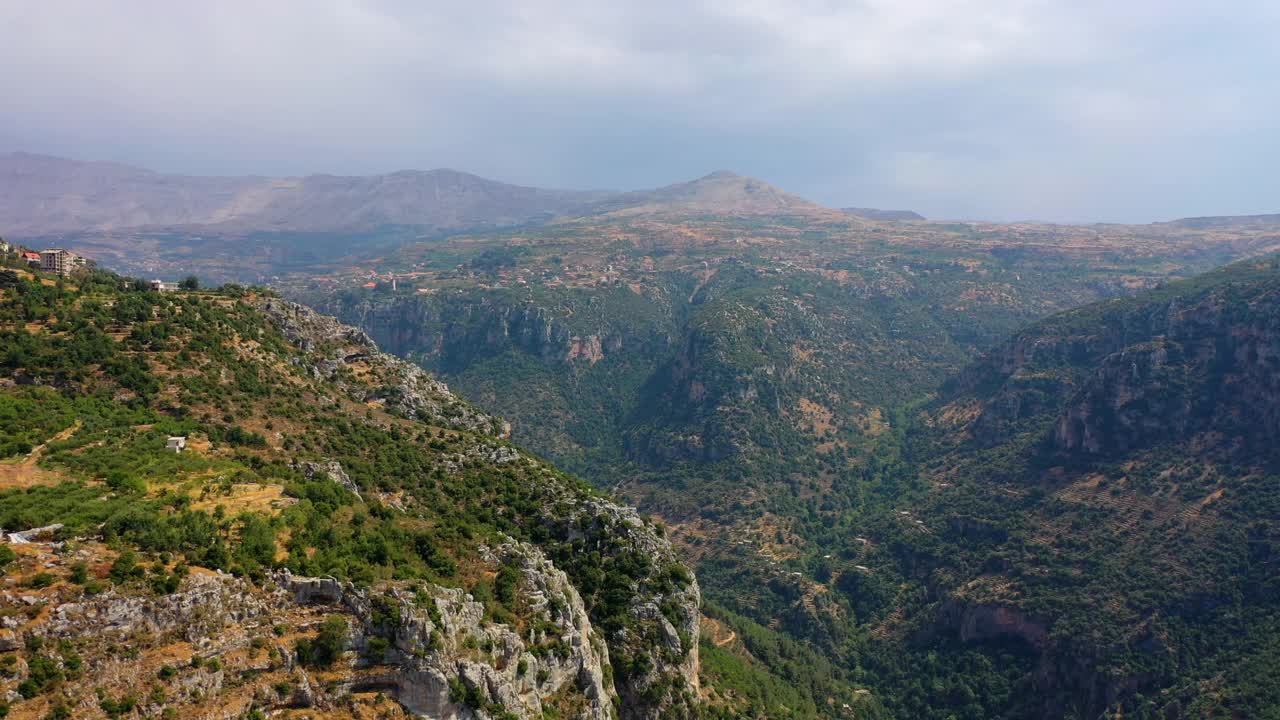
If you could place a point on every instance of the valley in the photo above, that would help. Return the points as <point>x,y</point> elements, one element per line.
<point>757,387</point>
<point>546,360</point>
<point>920,469</point>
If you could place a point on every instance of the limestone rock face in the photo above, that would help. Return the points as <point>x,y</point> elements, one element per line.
<point>654,652</point>
<point>433,650</point>
<point>330,469</point>
<point>1162,372</point>
<point>204,605</point>
<point>980,622</point>
<point>457,331</point>
<point>406,388</point>
<point>437,644</point>
<point>657,650</point>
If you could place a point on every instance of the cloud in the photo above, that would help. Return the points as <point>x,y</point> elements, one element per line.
<point>996,108</point>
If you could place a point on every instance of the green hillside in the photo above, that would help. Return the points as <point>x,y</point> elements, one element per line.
<point>1012,545</point>
<point>307,450</point>
<point>1100,493</point>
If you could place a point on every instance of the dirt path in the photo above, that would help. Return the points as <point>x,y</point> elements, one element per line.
<point>25,473</point>
<point>38,452</point>
<point>717,632</point>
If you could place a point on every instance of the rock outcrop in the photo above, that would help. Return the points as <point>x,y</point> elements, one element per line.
<point>655,643</point>
<point>404,387</point>
<point>332,470</point>
<point>1159,371</point>
<point>653,639</point>
<point>453,331</point>
<point>434,651</point>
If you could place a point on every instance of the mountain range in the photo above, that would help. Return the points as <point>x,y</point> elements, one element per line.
<point>42,195</point>
<point>920,469</point>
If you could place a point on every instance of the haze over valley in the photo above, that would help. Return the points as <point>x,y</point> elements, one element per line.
<point>721,379</point>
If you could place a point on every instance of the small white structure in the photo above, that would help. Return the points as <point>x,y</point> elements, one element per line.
<point>162,286</point>
<point>26,537</point>
<point>176,443</point>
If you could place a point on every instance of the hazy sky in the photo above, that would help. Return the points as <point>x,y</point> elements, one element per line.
<point>1120,110</point>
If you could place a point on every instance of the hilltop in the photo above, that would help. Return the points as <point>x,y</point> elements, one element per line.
<point>721,192</point>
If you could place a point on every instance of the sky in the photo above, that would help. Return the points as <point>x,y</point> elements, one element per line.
<point>1070,110</point>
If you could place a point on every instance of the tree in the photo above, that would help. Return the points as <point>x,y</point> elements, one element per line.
<point>327,645</point>
<point>190,282</point>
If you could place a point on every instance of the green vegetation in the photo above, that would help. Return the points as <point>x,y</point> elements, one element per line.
<point>325,648</point>
<point>100,373</point>
<point>769,389</point>
<point>1138,563</point>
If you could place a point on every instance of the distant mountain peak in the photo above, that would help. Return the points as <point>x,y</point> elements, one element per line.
<point>878,214</point>
<point>720,175</point>
<point>721,192</point>
<point>42,194</point>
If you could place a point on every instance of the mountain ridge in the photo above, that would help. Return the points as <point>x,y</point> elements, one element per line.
<point>43,194</point>
<point>721,191</point>
<point>1209,222</point>
<point>887,215</point>
<point>47,194</point>
<point>1102,491</point>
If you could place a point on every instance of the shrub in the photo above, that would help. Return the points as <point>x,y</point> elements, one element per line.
<point>325,648</point>
<point>117,708</point>
<point>41,580</point>
<point>126,567</point>
<point>42,671</point>
<point>376,648</point>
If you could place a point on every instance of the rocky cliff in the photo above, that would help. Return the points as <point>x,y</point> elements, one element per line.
<point>656,643</point>
<point>431,649</point>
<point>451,331</point>
<point>340,535</point>
<point>1103,498</point>
<point>1166,369</point>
